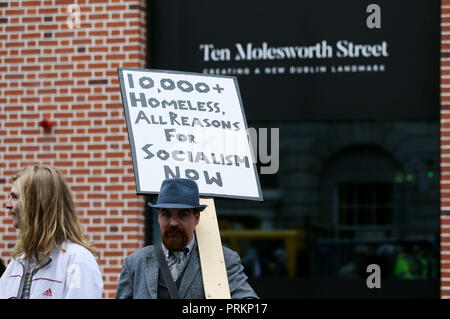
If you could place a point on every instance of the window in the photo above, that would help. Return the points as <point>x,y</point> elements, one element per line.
<point>364,210</point>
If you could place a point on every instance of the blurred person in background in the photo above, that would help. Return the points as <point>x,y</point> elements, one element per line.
<point>386,258</point>
<point>357,267</point>
<point>405,266</point>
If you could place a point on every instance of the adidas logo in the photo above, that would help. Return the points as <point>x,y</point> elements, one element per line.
<point>48,293</point>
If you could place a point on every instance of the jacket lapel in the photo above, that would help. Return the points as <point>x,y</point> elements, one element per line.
<point>191,270</point>
<point>151,274</point>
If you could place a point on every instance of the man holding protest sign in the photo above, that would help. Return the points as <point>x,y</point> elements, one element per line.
<point>172,269</point>
<point>193,126</point>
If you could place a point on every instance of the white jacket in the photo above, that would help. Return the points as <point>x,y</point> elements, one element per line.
<point>73,274</point>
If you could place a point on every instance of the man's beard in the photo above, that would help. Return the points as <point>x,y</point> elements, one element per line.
<point>175,238</point>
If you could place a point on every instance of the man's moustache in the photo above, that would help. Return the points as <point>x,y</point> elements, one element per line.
<point>174,229</point>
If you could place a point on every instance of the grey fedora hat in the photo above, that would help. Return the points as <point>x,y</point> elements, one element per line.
<point>179,193</point>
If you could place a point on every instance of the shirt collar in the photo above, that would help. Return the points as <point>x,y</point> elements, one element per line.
<point>189,247</point>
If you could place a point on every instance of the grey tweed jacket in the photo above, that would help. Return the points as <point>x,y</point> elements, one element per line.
<point>139,276</point>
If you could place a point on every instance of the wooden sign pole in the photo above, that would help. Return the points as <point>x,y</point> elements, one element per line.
<point>212,262</point>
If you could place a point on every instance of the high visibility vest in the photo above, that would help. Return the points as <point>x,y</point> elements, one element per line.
<point>403,268</point>
<point>425,268</point>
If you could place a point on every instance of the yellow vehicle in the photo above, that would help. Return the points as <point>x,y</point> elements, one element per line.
<point>293,242</point>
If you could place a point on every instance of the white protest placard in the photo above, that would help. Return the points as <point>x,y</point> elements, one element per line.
<point>188,125</point>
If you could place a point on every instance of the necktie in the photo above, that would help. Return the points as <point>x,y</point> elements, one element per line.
<point>177,262</point>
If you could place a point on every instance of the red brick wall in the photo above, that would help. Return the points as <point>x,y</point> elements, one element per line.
<point>445,146</point>
<point>49,71</point>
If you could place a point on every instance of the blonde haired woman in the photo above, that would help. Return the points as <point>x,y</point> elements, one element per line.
<point>51,258</point>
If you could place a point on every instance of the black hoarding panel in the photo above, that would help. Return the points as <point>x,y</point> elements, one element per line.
<point>315,60</point>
